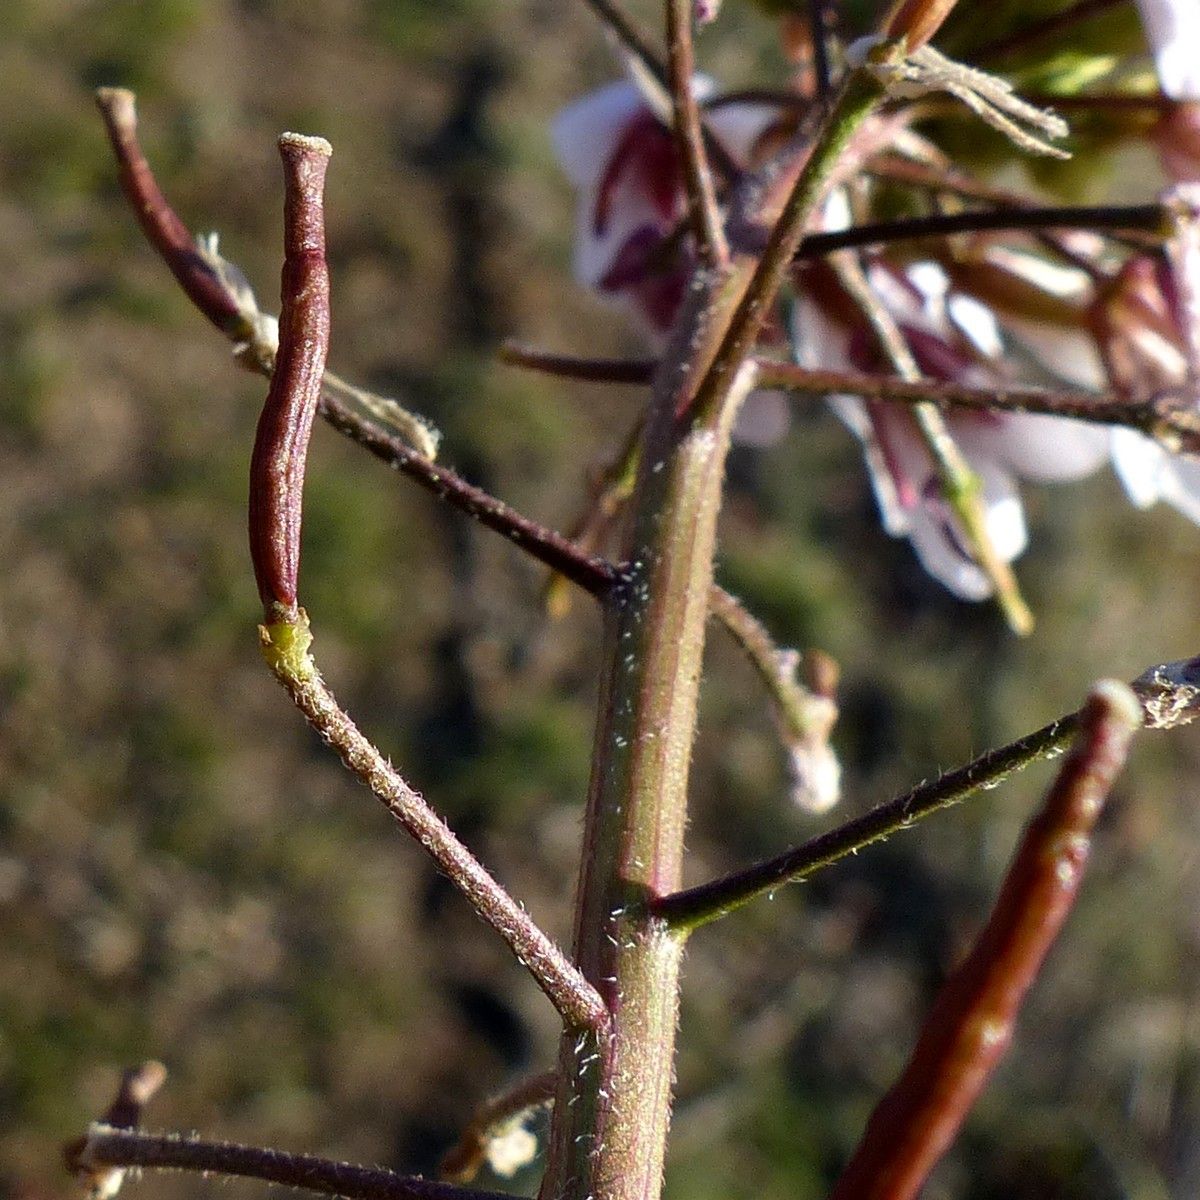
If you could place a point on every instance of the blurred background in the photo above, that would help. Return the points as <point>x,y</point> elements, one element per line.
<point>186,874</point>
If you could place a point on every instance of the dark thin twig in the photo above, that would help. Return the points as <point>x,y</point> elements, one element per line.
<point>1146,218</point>
<point>1173,423</point>
<point>958,183</point>
<point>778,97</point>
<point>818,26</point>
<point>1170,696</point>
<point>591,572</point>
<point>138,1086</point>
<point>568,366</point>
<point>162,227</point>
<point>970,1026</point>
<point>704,212</point>
<point>1048,27</point>
<point>630,38</point>
<point>120,1148</point>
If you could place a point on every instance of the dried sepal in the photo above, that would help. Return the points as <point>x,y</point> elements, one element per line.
<point>913,74</point>
<point>137,1088</point>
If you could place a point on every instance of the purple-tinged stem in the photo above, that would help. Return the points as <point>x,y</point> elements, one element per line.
<point>166,232</point>
<point>277,483</point>
<point>1164,418</point>
<point>285,646</point>
<point>970,1026</point>
<point>159,222</point>
<point>634,371</point>
<point>115,1149</point>
<point>821,14</point>
<point>704,213</point>
<point>1169,695</point>
<point>591,572</point>
<point>1123,218</point>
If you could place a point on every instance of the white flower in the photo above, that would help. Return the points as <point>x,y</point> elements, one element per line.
<point>953,338</point>
<point>1139,328</point>
<point>624,164</point>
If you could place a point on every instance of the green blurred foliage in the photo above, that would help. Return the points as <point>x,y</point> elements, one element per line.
<point>185,874</point>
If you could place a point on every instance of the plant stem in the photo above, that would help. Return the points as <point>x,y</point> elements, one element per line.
<point>804,717</point>
<point>285,425</point>
<point>800,712</point>
<point>107,1147</point>
<point>638,371</point>
<point>213,297</point>
<point>703,211</point>
<point>970,1026</point>
<point>611,1117</point>
<point>1125,218</point>
<point>159,222</point>
<point>1169,694</point>
<point>285,647</point>
<point>857,98</point>
<point>591,572</point>
<point>960,485</point>
<point>613,1109</point>
<point>634,43</point>
<point>819,13</point>
<point>276,490</point>
<point>1173,423</point>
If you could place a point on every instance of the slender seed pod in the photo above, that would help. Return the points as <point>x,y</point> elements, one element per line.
<point>284,428</point>
<point>970,1025</point>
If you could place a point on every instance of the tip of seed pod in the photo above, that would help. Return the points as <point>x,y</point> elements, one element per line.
<point>109,94</point>
<point>117,101</point>
<point>301,141</point>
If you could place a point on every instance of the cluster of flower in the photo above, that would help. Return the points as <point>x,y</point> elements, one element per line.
<point>1004,315</point>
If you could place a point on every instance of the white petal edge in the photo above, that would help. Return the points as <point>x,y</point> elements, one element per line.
<point>586,132</point>
<point>1173,31</point>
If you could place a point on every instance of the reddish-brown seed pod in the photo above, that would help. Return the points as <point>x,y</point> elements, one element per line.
<point>970,1025</point>
<point>284,428</point>
<point>159,221</point>
<point>916,20</point>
